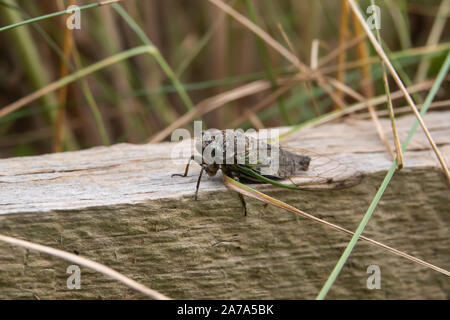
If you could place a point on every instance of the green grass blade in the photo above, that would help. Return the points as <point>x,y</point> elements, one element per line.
<point>251,173</point>
<point>45,16</point>
<point>157,55</point>
<point>92,104</point>
<point>73,77</point>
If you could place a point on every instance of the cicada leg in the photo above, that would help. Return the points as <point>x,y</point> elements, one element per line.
<point>241,197</point>
<point>185,170</point>
<point>244,204</point>
<point>198,182</point>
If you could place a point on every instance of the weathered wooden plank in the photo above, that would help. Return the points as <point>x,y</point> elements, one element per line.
<point>119,206</point>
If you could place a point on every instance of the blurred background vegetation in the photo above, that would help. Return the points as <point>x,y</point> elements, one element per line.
<point>212,56</point>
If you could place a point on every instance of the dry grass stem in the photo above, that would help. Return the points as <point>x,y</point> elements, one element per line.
<point>86,263</point>
<point>399,82</point>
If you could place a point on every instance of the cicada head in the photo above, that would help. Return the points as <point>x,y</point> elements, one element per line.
<point>211,169</point>
<point>303,162</point>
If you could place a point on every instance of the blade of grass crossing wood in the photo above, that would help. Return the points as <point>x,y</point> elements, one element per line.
<point>253,174</point>
<point>340,264</point>
<point>245,190</point>
<point>85,263</point>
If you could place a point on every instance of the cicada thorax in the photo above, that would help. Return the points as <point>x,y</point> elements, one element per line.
<point>222,147</point>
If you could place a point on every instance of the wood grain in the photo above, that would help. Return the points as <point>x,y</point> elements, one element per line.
<point>119,206</point>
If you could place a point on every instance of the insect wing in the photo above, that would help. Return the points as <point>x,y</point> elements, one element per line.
<point>326,171</point>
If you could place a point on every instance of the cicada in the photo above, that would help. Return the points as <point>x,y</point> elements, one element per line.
<point>245,158</point>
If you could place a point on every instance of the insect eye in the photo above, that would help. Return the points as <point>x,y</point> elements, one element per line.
<point>304,161</point>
